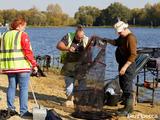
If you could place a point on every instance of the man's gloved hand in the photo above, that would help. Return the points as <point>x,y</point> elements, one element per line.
<point>105,40</point>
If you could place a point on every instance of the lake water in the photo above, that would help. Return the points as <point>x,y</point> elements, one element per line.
<point>44,41</point>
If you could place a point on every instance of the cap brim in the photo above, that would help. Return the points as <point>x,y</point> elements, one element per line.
<point>119,30</point>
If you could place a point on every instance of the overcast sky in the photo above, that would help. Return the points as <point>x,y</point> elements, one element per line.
<point>70,6</point>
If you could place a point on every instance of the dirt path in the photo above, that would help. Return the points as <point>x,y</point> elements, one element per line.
<point>50,93</point>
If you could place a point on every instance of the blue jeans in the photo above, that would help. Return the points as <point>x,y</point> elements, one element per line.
<point>69,81</point>
<point>23,80</point>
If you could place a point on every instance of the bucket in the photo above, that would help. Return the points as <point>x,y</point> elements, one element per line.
<point>39,113</point>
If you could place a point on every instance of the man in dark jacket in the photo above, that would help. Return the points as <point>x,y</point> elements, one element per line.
<point>126,54</point>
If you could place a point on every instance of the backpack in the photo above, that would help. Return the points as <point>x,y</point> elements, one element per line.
<point>52,115</point>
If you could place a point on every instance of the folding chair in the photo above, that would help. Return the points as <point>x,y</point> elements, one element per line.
<point>150,66</point>
<point>140,61</point>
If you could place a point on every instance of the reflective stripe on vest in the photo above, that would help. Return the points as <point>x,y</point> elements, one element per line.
<point>71,36</point>
<point>11,54</point>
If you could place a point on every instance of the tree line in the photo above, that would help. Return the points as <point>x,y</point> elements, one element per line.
<point>53,16</point>
<point>86,15</point>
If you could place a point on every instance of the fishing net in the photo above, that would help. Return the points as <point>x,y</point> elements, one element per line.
<point>91,71</point>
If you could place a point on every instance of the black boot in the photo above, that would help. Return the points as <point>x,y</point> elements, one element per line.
<point>128,108</point>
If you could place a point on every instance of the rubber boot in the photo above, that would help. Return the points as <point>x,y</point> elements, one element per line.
<point>128,108</point>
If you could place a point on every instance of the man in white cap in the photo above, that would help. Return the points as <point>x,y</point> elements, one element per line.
<point>126,54</point>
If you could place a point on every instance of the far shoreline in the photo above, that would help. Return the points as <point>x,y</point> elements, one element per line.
<point>131,26</point>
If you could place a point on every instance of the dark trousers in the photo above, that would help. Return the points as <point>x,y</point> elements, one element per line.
<point>126,81</point>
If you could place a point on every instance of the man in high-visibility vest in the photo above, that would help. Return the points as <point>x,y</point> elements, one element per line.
<point>72,46</point>
<point>17,61</point>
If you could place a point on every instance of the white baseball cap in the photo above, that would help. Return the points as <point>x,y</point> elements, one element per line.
<point>120,26</point>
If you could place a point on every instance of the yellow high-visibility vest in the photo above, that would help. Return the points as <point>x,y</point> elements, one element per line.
<point>11,54</point>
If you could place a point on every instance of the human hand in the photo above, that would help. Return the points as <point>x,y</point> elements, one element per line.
<point>123,70</point>
<point>72,49</point>
<point>35,70</point>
